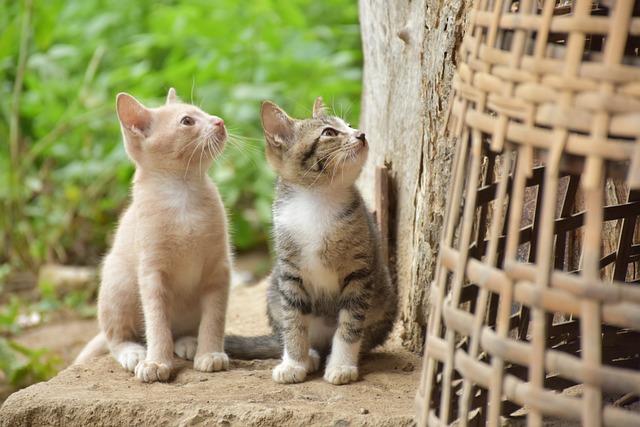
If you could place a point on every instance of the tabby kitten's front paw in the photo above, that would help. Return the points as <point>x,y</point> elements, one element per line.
<point>289,373</point>
<point>185,347</point>
<point>341,374</point>
<point>148,372</point>
<point>211,362</point>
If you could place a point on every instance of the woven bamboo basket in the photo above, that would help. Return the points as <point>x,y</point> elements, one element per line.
<point>535,305</point>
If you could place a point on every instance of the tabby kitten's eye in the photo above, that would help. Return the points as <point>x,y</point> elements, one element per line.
<point>187,121</point>
<point>329,132</point>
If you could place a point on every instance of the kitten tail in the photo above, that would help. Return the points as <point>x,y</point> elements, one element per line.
<point>96,347</point>
<point>248,348</point>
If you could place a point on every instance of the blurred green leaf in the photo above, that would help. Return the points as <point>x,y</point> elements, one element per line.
<point>73,174</point>
<point>23,366</point>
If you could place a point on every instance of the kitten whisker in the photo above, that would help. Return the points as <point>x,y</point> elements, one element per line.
<point>324,167</point>
<point>186,172</point>
<point>231,131</point>
<point>201,147</point>
<point>339,160</point>
<point>318,161</point>
<point>246,145</point>
<point>250,152</point>
<point>193,85</point>
<point>187,146</point>
<point>345,157</point>
<point>332,156</point>
<point>216,150</point>
<point>347,112</point>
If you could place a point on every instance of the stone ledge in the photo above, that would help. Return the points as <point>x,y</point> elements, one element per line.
<point>102,393</point>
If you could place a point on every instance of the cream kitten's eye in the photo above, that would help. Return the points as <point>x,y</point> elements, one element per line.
<point>329,132</point>
<point>187,121</point>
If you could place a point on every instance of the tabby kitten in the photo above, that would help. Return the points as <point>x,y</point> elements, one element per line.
<point>167,274</point>
<point>330,290</point>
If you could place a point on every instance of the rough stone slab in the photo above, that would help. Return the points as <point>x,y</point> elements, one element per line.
<point>102,393</point>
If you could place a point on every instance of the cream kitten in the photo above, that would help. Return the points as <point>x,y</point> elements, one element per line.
<point>167,275</point>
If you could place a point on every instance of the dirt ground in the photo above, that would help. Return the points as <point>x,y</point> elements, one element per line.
<point>102,393</point>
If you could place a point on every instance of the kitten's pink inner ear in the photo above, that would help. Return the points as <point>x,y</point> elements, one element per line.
<point>133,115</point>
<point>276,123</point>
<point>318,108</point>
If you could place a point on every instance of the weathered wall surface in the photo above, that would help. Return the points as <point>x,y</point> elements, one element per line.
<point>409,57</point>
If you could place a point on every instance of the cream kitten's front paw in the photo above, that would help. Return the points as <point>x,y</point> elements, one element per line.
<point>130,358</point>
<point>289,373</point>
<point>341,374</point>
<point>211,362</point>
<point>185,347</point>
<point>148,371</point>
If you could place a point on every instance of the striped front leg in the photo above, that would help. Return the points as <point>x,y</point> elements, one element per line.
<point>342,366</point>
<point>298,360</point>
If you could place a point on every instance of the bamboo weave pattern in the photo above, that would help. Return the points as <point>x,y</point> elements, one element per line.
<point>535,305</point>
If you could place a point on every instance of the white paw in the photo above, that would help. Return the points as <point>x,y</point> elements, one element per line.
<point>289,373</point>
<point>147,371</point>
<point>211,362</point>
<point>185,347</point>
<point>130,358</point>
<point>341,374</point>
<point>313,362</point>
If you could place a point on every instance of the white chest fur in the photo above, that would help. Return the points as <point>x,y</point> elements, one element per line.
<point>181,225</point>
<point>309,217</point>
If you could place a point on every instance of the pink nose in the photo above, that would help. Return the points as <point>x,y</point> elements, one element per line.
<point>217,121</point>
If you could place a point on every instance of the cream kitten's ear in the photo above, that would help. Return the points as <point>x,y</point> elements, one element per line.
<point>319,110</point>
<point>277,125</point>
<point>134,117</point>
<point>171,96</point>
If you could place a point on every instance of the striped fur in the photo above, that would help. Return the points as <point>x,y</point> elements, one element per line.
<point>330,292</point>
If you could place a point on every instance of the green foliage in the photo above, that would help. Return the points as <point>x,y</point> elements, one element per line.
<point>9,316</point>
<point>23,366</point>
<point>19,313</point>
<point>64,176</point>
<point>80,302</point>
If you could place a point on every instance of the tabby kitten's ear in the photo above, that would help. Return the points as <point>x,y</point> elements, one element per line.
<point>277,125</point>
<point>319,110</point>
<point>171,96</point>
<point>134,117</point>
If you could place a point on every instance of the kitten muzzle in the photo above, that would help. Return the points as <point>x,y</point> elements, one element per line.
<point>217,130</point>
<point>217,121</point>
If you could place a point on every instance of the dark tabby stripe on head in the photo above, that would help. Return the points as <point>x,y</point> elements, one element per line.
<point>311,151</point>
